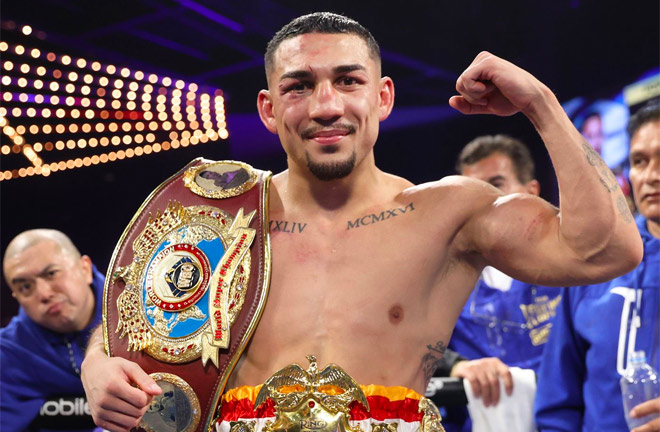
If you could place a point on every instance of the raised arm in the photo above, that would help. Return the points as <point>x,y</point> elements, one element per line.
<point>118,391</point>
<point>592,236</point>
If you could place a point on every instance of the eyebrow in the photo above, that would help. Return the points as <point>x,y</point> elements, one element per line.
<point>495,178</point>
<point>303,74</point>
<point>42,272</point>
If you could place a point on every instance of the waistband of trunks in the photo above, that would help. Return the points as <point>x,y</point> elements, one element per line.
<point>384,403</point>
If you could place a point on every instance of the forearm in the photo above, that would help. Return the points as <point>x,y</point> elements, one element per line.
<point>95,344</point>
<point>594,219</point>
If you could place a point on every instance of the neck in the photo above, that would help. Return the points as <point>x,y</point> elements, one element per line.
<point>299,187</point>
<point>90,307</point>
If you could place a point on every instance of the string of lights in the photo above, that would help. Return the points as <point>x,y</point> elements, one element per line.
<point>61,113</point>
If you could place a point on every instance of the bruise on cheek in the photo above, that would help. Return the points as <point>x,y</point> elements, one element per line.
<point>395,314</point>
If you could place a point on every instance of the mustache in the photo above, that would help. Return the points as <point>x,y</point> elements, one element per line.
<point>310,131</point>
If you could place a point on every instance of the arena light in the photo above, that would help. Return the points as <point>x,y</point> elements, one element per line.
<point>62,112</point>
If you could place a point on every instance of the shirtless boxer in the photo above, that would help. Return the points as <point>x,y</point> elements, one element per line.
<point>380,273</point>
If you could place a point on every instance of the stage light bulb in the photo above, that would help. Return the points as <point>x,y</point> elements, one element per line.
<point>26,30</point>
<point>19,49</point>
<point>65,60</point>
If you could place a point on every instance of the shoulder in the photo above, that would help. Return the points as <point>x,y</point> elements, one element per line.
<point>23,334</point>
<point>459,190</point>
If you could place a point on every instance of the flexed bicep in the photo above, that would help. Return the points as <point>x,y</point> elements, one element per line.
<point>520,235</point>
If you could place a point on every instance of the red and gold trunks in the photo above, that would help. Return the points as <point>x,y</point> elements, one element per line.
<point>390,409</point>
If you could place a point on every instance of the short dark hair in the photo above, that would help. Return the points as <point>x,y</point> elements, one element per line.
<point>320,22</point>
<point>484,146</point>
<point>647,113</point>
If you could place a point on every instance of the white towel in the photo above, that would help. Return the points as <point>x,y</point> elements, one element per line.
<point>513,413</point>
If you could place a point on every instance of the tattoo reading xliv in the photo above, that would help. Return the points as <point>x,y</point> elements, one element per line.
<point>608,180</point>
<point>287,227</point>
<point>373,218</point>
<point>431,360</point>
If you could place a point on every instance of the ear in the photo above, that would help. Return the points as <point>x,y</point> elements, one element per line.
<point>86,268</point>
<point>265,108</point>
<point>386,98</point>
<point>533,187</point>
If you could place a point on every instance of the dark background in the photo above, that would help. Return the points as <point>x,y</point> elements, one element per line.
<point>587,48</point>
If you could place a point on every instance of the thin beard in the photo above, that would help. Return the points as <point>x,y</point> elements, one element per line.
<point>332,171</point>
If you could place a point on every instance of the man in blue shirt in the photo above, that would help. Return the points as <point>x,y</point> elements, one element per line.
<point>41,349</point>
<point>599,326</point>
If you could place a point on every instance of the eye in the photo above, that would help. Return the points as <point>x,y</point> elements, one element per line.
<point>297,87</point>
<point>498,184</point>
<point>637,162</point>
<point>348,81</point>
<point>25,288</point>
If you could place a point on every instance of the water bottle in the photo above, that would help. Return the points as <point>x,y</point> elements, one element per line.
<point>639,383</point>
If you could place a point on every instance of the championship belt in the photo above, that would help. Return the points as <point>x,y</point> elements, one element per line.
<point>310,399</point>
<point>316,400</point>
<point>187,283</point>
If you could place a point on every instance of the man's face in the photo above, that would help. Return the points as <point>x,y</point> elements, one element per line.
<point>325,100</point>
<point>645,170</point>
<point>592,130</point>
<point>497,169</point>
<point>52,287</point>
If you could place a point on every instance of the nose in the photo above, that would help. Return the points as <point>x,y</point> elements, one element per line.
<point>652,174</point>
<point>44,290</point>
<point>326,103</point>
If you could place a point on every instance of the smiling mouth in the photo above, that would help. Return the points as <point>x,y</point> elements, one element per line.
<point>328,135</point>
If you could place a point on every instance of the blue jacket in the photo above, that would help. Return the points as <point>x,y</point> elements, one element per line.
<point>588,348</point>
<point>511,325</point>
<point>35,364</point>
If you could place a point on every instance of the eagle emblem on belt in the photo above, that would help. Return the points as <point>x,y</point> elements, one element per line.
<point>311,399</point>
